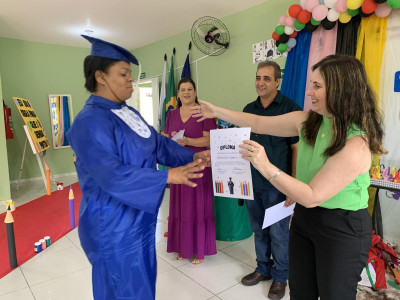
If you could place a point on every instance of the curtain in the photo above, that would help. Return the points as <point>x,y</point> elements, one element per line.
<point>323,43</point>
<point>295,74</point>
<point>347,36</point>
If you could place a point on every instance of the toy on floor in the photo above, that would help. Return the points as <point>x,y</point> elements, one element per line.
<point>60,186</point>
<point>42,244</point>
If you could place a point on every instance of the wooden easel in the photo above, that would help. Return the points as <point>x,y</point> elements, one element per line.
<point>39,157</point>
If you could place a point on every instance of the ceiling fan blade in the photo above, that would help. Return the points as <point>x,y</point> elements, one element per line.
<point>200,32</point>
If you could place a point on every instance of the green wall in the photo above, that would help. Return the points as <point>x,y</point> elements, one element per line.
<point>33,70</point>
<point>226,79</point>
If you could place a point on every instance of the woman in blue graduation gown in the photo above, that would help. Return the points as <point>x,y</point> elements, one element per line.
<point>116,156</point>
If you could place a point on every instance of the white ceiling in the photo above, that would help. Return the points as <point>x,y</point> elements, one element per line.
<point>129,23</point>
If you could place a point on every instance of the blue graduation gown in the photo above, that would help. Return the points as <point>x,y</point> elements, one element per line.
<point>116,156</point>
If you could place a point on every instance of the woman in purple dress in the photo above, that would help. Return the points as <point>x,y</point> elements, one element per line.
<point>191,225</point>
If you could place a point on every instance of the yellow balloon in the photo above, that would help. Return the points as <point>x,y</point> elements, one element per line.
<point>344,17</point>
<point>354,4</point>
<point>287,13</point>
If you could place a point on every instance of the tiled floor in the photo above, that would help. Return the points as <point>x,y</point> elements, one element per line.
<point>62,271</point>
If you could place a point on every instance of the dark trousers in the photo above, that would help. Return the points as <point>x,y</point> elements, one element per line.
<point>328,249</point>
<point>271,243</point>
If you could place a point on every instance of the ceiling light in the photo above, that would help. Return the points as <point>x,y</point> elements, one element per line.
<point>89,32</point>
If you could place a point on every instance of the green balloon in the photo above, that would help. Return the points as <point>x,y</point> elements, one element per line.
<point>282,48</point>
<point>314,22</point>
<point>352,12</point>
<point>394,4</point>
<point>298,25</point>
<point>280,29</point>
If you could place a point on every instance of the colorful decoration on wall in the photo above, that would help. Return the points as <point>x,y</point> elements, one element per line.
<point>309,14</point>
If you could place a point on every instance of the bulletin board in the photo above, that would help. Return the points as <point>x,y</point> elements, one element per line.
<point>33,124</point>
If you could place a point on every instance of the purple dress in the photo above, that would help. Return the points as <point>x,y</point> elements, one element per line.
<point>191,224</point>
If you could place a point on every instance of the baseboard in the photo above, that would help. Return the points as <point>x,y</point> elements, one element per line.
<point>40,178</point>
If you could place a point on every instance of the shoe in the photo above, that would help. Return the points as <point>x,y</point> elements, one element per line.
<point>254,278</point>
<point>277,290</point>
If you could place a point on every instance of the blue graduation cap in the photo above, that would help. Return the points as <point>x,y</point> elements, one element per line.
<point>109,50</point>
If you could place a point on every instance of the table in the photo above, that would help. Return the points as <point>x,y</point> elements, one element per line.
<point>376,212</point>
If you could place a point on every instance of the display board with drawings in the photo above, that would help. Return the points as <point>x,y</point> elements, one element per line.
<point>33,124</point>
<point>266,50</point>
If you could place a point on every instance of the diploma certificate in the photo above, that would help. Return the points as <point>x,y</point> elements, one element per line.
<point>230,172</point>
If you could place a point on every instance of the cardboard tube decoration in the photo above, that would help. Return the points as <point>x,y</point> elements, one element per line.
<point>12,252</point>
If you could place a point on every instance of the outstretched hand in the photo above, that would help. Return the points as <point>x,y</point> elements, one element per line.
<point>205,110</point>
<point>205,157</point>
<point>254,153</point>
<point>181,175</point>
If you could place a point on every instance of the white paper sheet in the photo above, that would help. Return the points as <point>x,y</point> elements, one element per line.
<point>178,135</point>
<point>277,213</point>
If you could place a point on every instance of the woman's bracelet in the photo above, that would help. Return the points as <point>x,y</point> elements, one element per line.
<point>275,175</point>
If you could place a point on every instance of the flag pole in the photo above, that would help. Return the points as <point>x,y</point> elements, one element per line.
<point>161,109</point>
<point>186,67</point>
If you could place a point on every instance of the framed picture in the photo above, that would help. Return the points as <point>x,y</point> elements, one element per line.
<point>61,116</point>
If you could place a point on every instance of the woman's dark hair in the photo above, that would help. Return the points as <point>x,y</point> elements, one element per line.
<point>350,100</point>
<point>185,80</point>
<point>91,65</point>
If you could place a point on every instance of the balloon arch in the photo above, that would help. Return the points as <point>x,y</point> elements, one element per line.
<point>309,14</point>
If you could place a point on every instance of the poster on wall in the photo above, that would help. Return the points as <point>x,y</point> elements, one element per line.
<point>266,50</point>
<point>60,118</point>
<point>33,124</point>
<point>231,173</point>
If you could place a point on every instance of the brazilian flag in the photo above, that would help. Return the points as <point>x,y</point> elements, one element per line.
<point>170,98</point>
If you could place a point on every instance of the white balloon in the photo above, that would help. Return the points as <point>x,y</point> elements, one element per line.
<point>330,3</point>
<point>302,3</point>
<point>333,15</point>
<point>289,30</point>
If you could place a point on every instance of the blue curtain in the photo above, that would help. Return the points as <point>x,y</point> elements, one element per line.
<point>295,74</point>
